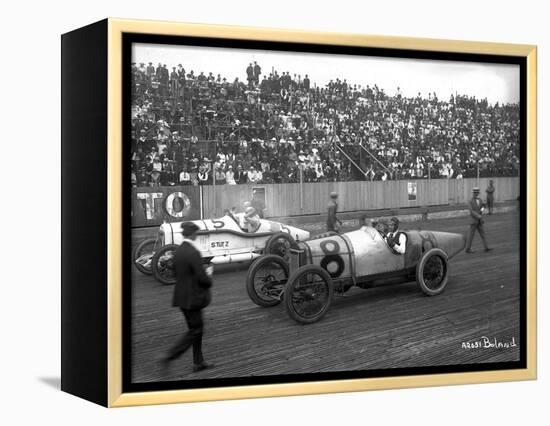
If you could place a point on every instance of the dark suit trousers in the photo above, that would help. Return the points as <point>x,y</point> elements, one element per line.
<point>479,227</point>
<point>490,204</point>
<point>193,337</point>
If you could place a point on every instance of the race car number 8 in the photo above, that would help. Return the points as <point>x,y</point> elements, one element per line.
<point>332,262</point>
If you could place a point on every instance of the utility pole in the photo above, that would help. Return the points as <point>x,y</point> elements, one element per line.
<point>301,189</point>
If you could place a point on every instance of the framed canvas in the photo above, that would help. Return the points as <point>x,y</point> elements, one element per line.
<point>256,212</point>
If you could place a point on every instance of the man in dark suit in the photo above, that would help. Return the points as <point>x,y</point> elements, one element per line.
<point>257,72</point>
<point>333,223</point>
<point>250,74</point>
<point>476,221</point>
<point>490,191</point>
<point>191,295</point>
<point>306,82</point>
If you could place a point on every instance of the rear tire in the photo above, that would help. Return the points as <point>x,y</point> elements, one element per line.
<point>308,294</point>
<point>432,272</point>
<point>163,265</point>
<point>144,248</point>
<point>280,244</point>
<point>266,280</point>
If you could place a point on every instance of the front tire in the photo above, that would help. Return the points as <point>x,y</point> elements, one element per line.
<point>143,255</point>
<point>308,294</point>
<point>266,279</point>
<point>163,265</point>
<point>432,272</point>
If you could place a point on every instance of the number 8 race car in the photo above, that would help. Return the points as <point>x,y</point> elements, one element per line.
<point>331,264</point>
<point>223,240</point>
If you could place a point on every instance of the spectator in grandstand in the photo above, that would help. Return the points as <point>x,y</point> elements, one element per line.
<point>203,176</point>
<point>306,83</point>
<point>250,74</point>
<point>230,176</point>
<point>414,137</point>
<point>220,176</point>
<point>240,175</point>
<point>185,177</point>
<point>254,175</point>
<point>257,72</point>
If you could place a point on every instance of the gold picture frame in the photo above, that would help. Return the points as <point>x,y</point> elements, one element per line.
<point>116,28</point>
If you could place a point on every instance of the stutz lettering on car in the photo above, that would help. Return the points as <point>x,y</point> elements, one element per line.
<point>332,262</point>
<point>219,244</point>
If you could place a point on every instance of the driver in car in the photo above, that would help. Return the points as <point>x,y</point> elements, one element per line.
<point>396,239</point>
<point>251,217</point>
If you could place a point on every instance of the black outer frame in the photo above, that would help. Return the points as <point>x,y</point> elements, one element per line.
<point>84,212</point>
<point>127,41</point>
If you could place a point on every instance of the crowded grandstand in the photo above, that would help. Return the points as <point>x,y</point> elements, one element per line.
<point>208,129</point>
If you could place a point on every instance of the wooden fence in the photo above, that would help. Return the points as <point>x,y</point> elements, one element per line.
<point>312,198</point>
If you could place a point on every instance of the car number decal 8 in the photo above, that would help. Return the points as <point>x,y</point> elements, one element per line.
<point>332,262</point>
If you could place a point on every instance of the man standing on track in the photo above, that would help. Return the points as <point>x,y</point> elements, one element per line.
<point>333,223</point>
<point>490,191</point>
<point>476,221</point>
<point>191,295</point>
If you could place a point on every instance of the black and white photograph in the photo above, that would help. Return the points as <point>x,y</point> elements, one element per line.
<point>299,215</point>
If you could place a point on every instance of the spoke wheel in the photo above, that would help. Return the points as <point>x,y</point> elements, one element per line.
<point>308,294</point>
<point>143,255</point>
<point>266,279</point>
<point>163,265</point>
<point>280,245</point>
<point>432,272</point>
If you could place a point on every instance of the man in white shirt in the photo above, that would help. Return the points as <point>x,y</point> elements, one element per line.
<point>185,177</point>
<point>253,176</point>
<point>396,239</point>
<point>230,175</point>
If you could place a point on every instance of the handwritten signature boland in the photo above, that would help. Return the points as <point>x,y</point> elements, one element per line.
<point>489,343</point>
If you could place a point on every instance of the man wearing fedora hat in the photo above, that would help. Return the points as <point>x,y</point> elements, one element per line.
<point>476,221</point>
<point>191,295</point>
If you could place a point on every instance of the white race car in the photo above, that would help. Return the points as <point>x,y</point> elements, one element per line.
<point>228,239</point>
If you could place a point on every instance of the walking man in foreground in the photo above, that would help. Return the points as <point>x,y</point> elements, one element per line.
<point>476,221</point>
<point>191,295</point>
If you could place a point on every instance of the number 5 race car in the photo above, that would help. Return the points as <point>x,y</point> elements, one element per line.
<point>329,265</point>
<point>223,240</point>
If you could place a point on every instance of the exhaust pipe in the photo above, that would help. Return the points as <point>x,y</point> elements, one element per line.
<point>233,258</point>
